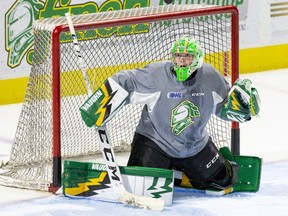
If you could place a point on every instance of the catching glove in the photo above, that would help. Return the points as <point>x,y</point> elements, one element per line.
<point>242,103</point>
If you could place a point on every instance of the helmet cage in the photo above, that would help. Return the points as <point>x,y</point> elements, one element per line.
<point>187,45</point>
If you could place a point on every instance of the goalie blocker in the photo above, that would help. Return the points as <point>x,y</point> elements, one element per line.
<point>103,104</point>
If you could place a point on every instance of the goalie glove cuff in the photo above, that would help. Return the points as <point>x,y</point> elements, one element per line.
<point>254,102</point>
<point>234,115</point>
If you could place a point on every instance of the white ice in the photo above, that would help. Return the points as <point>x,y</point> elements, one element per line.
<point>265,137</point>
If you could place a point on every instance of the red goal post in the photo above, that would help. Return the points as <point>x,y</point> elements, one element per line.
<point>50,128</point>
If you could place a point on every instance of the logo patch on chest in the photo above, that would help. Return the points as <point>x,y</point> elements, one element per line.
<point>174,95</point>
<point>182,116</point>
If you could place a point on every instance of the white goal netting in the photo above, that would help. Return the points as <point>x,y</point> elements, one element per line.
<point>110,41</point>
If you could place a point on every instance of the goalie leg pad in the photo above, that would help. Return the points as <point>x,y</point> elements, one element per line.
<point>248,172</point>
<point>87,179</point>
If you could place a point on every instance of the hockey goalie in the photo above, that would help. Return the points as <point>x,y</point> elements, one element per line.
<point>179,96</point>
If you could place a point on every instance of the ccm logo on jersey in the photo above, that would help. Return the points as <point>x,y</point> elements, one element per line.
<point>198,94</point>
<point>174,95</point>
<point>208,165</point>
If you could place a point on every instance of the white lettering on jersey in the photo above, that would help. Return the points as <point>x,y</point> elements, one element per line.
<point>198,94</point>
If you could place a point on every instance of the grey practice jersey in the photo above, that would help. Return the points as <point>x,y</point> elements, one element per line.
<point>175,113</point>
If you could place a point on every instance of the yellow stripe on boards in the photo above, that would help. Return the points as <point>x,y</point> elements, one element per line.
<point>251,60</point>
<point>263,58</point>
<point>13,90</point>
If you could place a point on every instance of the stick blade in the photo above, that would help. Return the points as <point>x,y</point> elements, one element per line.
<point>142,202</point>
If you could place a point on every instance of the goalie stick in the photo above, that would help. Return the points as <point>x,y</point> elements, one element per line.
<point>105,145</point>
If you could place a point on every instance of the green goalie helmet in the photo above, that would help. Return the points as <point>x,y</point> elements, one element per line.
<point>187,45</point>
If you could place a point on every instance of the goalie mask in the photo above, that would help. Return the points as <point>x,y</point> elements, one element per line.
<point>187,56</point>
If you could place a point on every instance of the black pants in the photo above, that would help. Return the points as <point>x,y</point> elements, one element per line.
<point>201,169</point>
